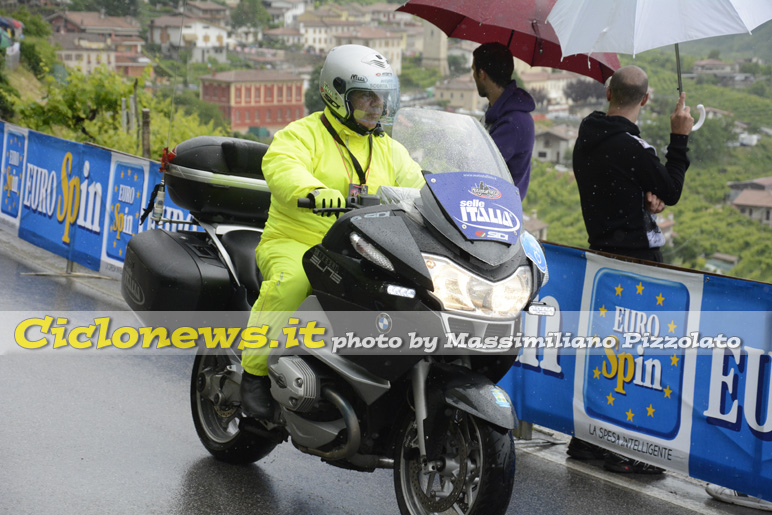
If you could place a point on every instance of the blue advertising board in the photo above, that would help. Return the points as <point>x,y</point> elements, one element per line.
<point>685,382</point>
<point>78,201</point>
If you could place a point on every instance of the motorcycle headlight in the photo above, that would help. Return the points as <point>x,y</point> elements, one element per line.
<point>460,290</point>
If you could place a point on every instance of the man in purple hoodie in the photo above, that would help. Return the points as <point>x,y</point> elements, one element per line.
<point>508,118</point>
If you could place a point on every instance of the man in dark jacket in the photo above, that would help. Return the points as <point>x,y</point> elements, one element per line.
<point>615,169</point>
<point>508,118</point>
<point>622,184</point>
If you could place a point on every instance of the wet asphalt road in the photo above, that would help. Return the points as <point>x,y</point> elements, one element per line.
<point>99,434</point>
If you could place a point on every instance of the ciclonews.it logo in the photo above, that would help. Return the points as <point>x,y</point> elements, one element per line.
<point>632,385</point>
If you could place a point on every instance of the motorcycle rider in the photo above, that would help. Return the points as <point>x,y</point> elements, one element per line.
<point>327,156</point>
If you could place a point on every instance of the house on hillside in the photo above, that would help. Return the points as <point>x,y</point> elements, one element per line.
<point>255,98</point>
<point>94,23</point>
<point>285,35</point>
<point>461,94</point>
<point>202,39</point>
<point>390,44</point>
<point>721,264</point>
<point>713,67</point>
<point>552,145</point>
<point>755,204</point>
<point>318,34</point>
<point>208,11</point>
<point>84,51</point>
<point>553,85</point>
<point>737,187</point>
<point>285,12</point>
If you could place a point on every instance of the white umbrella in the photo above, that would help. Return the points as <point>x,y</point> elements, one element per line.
<point>632,26</point>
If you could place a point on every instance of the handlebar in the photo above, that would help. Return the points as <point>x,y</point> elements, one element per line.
<point>356,202</point>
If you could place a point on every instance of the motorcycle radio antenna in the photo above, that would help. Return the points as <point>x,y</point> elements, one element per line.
<point>159,193</point>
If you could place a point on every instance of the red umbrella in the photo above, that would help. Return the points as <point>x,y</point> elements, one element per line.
<point>519,24</point>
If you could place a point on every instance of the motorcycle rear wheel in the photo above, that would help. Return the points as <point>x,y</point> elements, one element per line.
<point>476,476</point>
<point>218,427</point>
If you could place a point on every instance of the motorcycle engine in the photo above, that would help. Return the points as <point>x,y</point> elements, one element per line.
<point>294,384</point>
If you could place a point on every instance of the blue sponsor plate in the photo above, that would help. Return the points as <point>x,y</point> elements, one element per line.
<point>483,207</point>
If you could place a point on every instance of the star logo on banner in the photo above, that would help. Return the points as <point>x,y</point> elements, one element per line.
<point>610,399</point>
<point>650,411</point>
<point>660,299</point>
<point>596,373</point>
<point>603,310</point>
<point>619,290</point>
<point>667,391</point>
<point>671,327</point>
<point>639,288</point>
<point>630,415</point>
<point>674,360</point>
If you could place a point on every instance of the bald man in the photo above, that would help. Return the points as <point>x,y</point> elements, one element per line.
<point>622,183</point>
<point>618,172</point>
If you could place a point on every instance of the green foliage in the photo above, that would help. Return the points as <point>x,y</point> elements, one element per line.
<point>8,97</point>
<point>313,100</point>
<point>250,13</point>
<point>555,198</point>
<point>416,77</point>
<point>87,108</point>
<point>38,55</point>
<point>190,102</point>
<point>34,24</point>
<point>457,65</point>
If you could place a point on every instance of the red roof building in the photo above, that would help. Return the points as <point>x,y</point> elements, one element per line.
<point>255,98</point>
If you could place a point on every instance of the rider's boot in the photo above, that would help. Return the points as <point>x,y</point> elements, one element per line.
<point>256,400</point>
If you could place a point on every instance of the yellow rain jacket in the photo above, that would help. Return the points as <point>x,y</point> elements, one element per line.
<point>301,158</point>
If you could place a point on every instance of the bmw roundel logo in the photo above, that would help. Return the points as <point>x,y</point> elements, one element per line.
<point>383,323</point>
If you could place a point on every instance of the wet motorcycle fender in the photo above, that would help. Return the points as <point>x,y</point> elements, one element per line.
<point>470,392</point>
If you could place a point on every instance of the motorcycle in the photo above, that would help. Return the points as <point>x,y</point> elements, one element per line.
<point>449,259</point>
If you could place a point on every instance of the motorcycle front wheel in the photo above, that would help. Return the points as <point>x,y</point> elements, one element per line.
<point>474,475</point>
<point>218,426</point>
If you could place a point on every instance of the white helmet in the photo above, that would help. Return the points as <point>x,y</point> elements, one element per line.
<point>351,68</point>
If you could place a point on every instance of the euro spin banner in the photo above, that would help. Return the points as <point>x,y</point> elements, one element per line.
<point>680,398</point>
<point>78,201</point>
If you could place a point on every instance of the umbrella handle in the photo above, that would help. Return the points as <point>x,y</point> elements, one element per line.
<point>701,109</point>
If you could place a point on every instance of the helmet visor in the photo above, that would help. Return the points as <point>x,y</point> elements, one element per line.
<point>370,106</point>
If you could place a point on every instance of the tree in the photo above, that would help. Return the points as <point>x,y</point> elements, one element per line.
<point>457,65</point>
<point>539,96</point>
<point>34,24</point>
<point>250,14</point>
<point>582,91</point>
<point>87,108</point>
<point>313,100</point>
